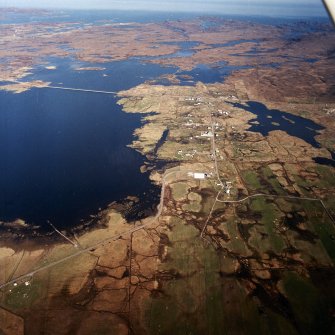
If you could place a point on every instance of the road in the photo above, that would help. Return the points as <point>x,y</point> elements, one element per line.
<point>213,144</point>
<point>280,197</point>
<point>214,153</point>
<point>61,234</point>
<point>107,239</point>
<point>210,215</point>
<point>76,254</point>
<point>269,196</point>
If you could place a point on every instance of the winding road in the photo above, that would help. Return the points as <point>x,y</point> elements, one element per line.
<point>107,239</point>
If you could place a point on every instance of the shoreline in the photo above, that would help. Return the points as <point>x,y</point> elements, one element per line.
<point>18,237</point>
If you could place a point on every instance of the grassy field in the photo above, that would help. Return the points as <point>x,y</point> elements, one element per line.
<point>199,298</point>
<point>309,305</point>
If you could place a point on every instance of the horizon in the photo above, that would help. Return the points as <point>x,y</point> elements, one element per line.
<point>285,8</point>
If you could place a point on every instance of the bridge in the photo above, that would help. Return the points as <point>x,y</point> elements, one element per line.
<point>61,87</point>
<point>77,89</point>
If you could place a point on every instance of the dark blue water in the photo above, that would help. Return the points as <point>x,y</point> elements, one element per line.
<point>293,125</point>
<point>326,161</point>
<point>64,153</point>
<point>183,44</point>
<point>256,52</point>
<point>206,74</point>
<point>234,43</point>
<point>116,76</point>
<point>185,50</point>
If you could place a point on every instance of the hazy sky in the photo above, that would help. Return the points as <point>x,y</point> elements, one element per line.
<point>269,7</point>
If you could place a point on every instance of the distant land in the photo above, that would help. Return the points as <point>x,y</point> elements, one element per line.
<point>166,173</point>
<point>284,8</point>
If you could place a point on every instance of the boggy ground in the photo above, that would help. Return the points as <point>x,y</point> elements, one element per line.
<point>256,265</point>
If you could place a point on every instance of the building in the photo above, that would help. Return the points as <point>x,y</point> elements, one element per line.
<point>206,134</point>
<point>199,175</point>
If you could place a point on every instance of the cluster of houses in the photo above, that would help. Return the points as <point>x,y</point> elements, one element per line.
<point>26,283</point>
<point>207,133</point>
<point>330,111</point>
<point>190,154</point>
<point>227,186</point>
<point>194,99</point>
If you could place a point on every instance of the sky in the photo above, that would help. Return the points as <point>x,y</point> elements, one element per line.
<point>252,7</point>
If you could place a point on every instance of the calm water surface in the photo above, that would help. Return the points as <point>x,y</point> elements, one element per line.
<point>64,153</point>
<point>273,119</point>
